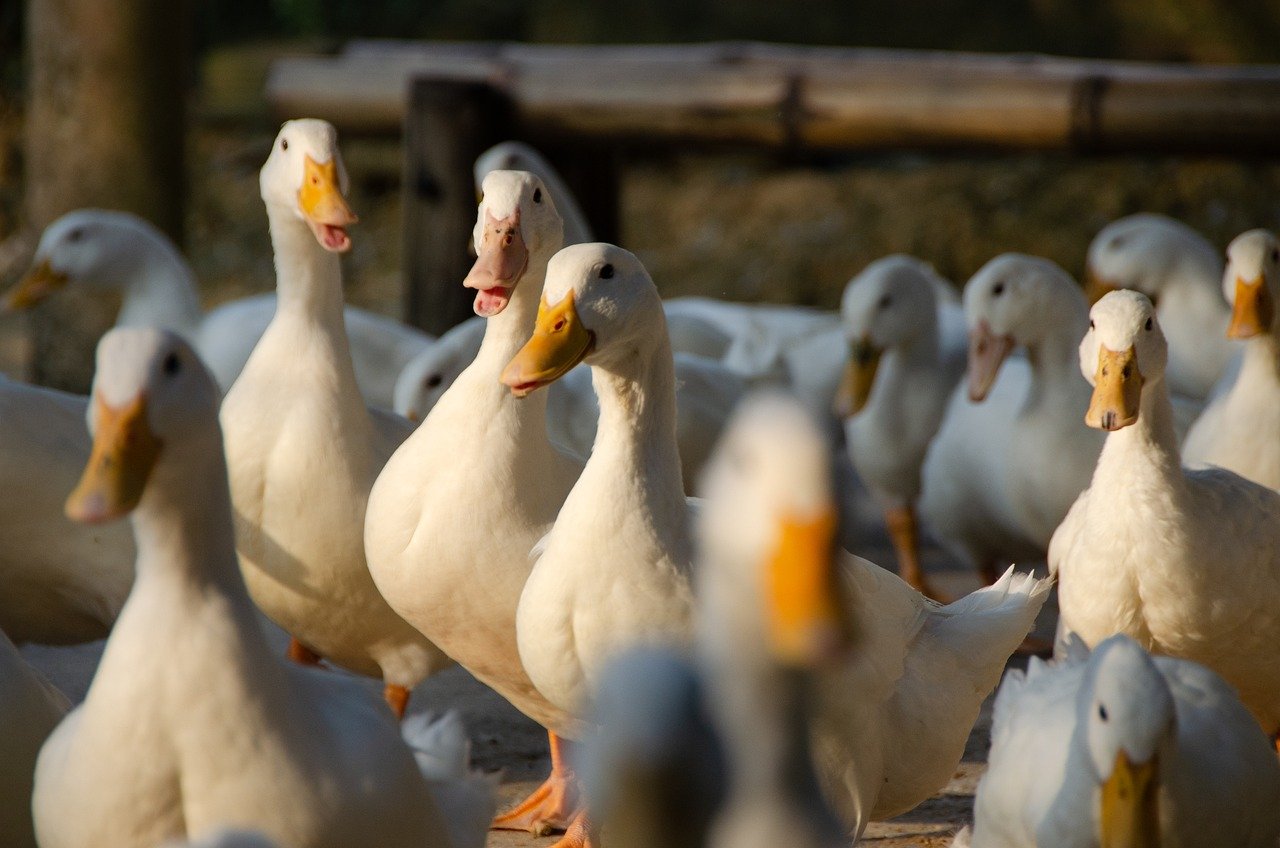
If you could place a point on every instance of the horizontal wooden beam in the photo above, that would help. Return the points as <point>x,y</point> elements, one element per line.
<point>805,99</point>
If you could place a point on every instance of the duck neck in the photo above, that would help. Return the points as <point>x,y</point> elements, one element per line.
<point>1055,370</point>
<point>308,277</point>
<point>1261,357</point>
<point>1150,444</point>
<point>183,525</point>
<point>636,436</point>
<point>160,290</point>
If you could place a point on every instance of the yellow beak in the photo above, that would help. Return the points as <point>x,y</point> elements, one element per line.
<point>40,282</point>
<point>808,624</point>
<point>559,342</point>
<point>1095,286</point>
<point>124,452</point>
<point>858,380</point>
<point>987,353</point>
<point>323,205</point>
<point>1254,309</point>
<point>1130,811</point>
<point>1117,390</point>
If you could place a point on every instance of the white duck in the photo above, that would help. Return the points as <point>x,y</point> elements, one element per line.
<point>30,707</point>
<point>1180,271</point>
<point>1122,748</point>
<point>901,371</point>
<point>118,251</point>
<point>891,717</point>
<point>191,724</point>
<point>518,156</point>
<point>63,582</point>
<point>614,570</point>
<point>455,511</point>
<point>303,450</point>
<point>1017,301</point>
<point>1185,562</point>
<point>1240,429</point>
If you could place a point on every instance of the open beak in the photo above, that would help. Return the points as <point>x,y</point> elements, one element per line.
<point>323,205</point>
<point>501,260</point>
<point>559,342</point>
<point>859,377</point>
<point>987,353</point>
<point>1095,287</point>
<point>1117,390</point>
<point>124,452</point>
<point>808,625</point>
<point>1130,811</point>
<point>40,282</point>
<point>1254,309</point>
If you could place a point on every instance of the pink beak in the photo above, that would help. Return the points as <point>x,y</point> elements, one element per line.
<point>501,261</point>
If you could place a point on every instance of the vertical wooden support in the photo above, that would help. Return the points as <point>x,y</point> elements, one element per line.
<point>447,126</point>
<point>106,91</point>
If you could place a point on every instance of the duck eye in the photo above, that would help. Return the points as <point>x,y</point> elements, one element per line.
<point>537,195</point>
<point>434,380</point>
<point>75,235</point>
<point>1275,254</point>
<point>1102,712</point>
<point>885,302</point>
<point>284,144</point>
<point>606,272</point>
<point>1148,324</point>
<point>1091,325</point>
<point>998,289</point>
<point>172,365</point>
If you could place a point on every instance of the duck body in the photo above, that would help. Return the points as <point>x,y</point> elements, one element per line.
<point>1240,428</point>
<point>30,708</point>
<point>191,725</point>
<point>1187,563</point>
<point>455,512</point>
<point>64,582</point>
<point>1217,776</point>
<point>303,453</point>
<point>117,250</point>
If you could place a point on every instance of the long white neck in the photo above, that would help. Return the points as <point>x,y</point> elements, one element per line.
<point>1145,451</point>
<point>1261,357</point>
<point>308,277</point>
<point>1055,366</point>
<point>636,437</point>
<point>160,290</point>
<point>185,536</point>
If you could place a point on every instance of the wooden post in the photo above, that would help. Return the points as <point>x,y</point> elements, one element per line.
<point>448,124</point>
<point>592,174</point>
<point>105,127</point>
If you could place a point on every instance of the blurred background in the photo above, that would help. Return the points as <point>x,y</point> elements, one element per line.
<point>733,225</point>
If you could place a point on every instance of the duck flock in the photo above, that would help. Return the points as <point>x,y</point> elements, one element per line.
<point>629,517</point>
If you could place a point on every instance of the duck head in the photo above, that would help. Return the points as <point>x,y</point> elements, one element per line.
<point>1123,351</point>
<point>1142,252</point>
<point>1251,283</point>
<point>890,304</point>
<point>768,533</point>
<point>1127,713</point>
<point>93,247</point>
<point>516,219</point>
<point>1014,300</point>
<point>598,306</point>
<point>305,177</point>
<point>150,393</point>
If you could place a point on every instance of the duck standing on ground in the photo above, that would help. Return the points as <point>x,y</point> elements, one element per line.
<point>456,510</point>
<point>190,724</point>
<point>1185,562</point>
<point>895,389</point>
<point>303,450</point>
<point>1240,429</point>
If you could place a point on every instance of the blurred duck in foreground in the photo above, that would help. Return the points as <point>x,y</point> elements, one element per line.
<point>303,450</point>
<point>107,251</point>
<point>1119,748</point>
<point>905,336</point>
<point>1240,429</point>
<point>1185,562</point>
<point>30,708</point>
<point>191,724</point>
